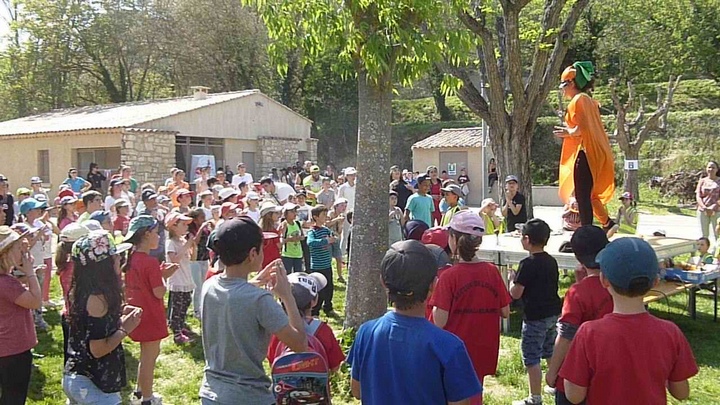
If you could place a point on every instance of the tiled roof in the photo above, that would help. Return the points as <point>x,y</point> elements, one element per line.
<point>124,115</point>
<point>452,138</point>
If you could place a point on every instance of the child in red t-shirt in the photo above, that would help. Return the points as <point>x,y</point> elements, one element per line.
<point>585,301</point>
<point>628,356</point>
<point>302,283</point>
<point>122,219</point>
<point>471,297</point>
<point>145,288</point>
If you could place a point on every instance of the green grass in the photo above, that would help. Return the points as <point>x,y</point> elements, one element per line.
<point>179,370</point>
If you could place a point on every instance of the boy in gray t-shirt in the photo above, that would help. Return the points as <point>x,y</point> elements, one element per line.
<point>238,317</point>
<point>326,197</point>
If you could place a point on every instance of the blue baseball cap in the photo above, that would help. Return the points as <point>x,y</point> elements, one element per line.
<point>29,204</point>
<point>100,215</point>
<point>625,259</point>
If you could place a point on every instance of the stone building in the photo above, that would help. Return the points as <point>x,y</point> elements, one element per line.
<point>155,135</point>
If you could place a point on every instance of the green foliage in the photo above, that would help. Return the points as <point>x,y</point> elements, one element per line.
<point>380,38</point>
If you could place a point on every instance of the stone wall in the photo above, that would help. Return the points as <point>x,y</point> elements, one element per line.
<point>151,154</point>
<point>312,145</point>
<point>275,152</point>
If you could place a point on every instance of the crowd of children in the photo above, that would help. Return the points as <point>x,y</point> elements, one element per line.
<point>242,244</point>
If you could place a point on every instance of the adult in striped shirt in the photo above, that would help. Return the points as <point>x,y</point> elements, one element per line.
<point>320,240</point>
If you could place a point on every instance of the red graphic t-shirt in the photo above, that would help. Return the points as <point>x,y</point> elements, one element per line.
<point>271,249</point>
<point>585,301</point>
<point>628,356</point>
<point>473,294</point>
<point>325,336</point>
<point>145,275</point>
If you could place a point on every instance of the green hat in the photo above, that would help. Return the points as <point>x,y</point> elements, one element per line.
<point>138,223</point>
<point>584,72</point>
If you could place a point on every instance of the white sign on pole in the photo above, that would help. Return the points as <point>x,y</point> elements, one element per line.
<point>452,169</point>
<point>631,165</point>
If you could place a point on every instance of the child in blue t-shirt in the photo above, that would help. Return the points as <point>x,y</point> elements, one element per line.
<point>420,205</point>
<point>402,358</point>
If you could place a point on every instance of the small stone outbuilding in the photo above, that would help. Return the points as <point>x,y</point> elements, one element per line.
<point>154,136</point>
<point>451,150</point>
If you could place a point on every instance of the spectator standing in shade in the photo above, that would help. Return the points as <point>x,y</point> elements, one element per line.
<point>464,181</point>
<point>400,186</point>
<point>347,191</point>
<point>95,177</point>
<point>7,201</point>
<point>76,183</point>
<point>514,209</point>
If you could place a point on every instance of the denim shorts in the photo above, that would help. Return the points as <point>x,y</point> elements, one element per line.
<point>538,340</point>
<point>81,391</point>
<point>336,250</point>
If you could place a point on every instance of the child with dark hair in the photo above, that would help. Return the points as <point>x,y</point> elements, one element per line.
<point>470,298</point>
<point>703,256</point>
<point>243,336</point>
<point>305,288</point>
<point>602,364</point>
<point>145,279</point>
<point>402,358</point>
<point>320,241</point>
<point>585,301</point>
<point>536,282</point>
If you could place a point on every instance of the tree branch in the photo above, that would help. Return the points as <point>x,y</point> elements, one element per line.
<point>658,121</point>
<point>514,68</point>
<point>468,93</point>
<point>562,42</point>
<point>550,20</point>
<point>621,130</point>
<point>496,91</point>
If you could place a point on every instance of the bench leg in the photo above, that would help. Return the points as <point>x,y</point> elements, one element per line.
<point>692,302</point>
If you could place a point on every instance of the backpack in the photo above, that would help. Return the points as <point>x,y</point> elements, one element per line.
<point>302,378</point>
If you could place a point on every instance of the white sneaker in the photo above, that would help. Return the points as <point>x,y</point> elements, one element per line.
<point>527,401</point>
<point>549,390</point>
<point>155,400</point>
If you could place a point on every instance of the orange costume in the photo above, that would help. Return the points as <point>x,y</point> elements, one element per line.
<point>583,113</point>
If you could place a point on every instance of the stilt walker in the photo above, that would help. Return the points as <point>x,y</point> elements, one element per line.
<point>587,167</point>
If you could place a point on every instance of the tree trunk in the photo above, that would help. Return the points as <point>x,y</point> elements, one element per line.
<point>511,149</point>
<point>436,78</point>
<point>631,176</point>
<point>366,297</point>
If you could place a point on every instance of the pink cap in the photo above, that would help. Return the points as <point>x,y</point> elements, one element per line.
<point>173,217</point>
<point>468,222</point>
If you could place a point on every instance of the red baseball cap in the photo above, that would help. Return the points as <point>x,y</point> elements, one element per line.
<point>436,236</point>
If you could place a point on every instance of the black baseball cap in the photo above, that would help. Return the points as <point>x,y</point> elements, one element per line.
<point>234,238</point>
<point>587,242</point>
<point>422,178</point>
<point>414,229</point>
<point>148,194</point>
<point>537,230</point>
<point>408,269</point>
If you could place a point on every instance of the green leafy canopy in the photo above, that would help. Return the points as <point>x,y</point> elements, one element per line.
<point>379,37</point>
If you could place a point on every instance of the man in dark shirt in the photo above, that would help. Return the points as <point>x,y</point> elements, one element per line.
<point>6,201</point>
<point>514,209</point>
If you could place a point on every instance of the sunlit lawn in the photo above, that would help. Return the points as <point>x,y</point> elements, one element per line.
<point>179,370</point>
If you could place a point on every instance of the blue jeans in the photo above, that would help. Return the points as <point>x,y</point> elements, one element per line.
<point>538,340</point>
<point>292,265</point>
<point>80,390</point>
<point>198,270</point>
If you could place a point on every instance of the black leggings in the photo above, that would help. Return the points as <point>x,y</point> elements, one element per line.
<point>325,295</point>
<point>15,378</point>
<point>178,302</point>
<point>583,180</point>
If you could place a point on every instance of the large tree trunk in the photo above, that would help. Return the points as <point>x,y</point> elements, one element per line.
<point>511,149</point>
<point>365,295</point>
<point>631,176</point>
